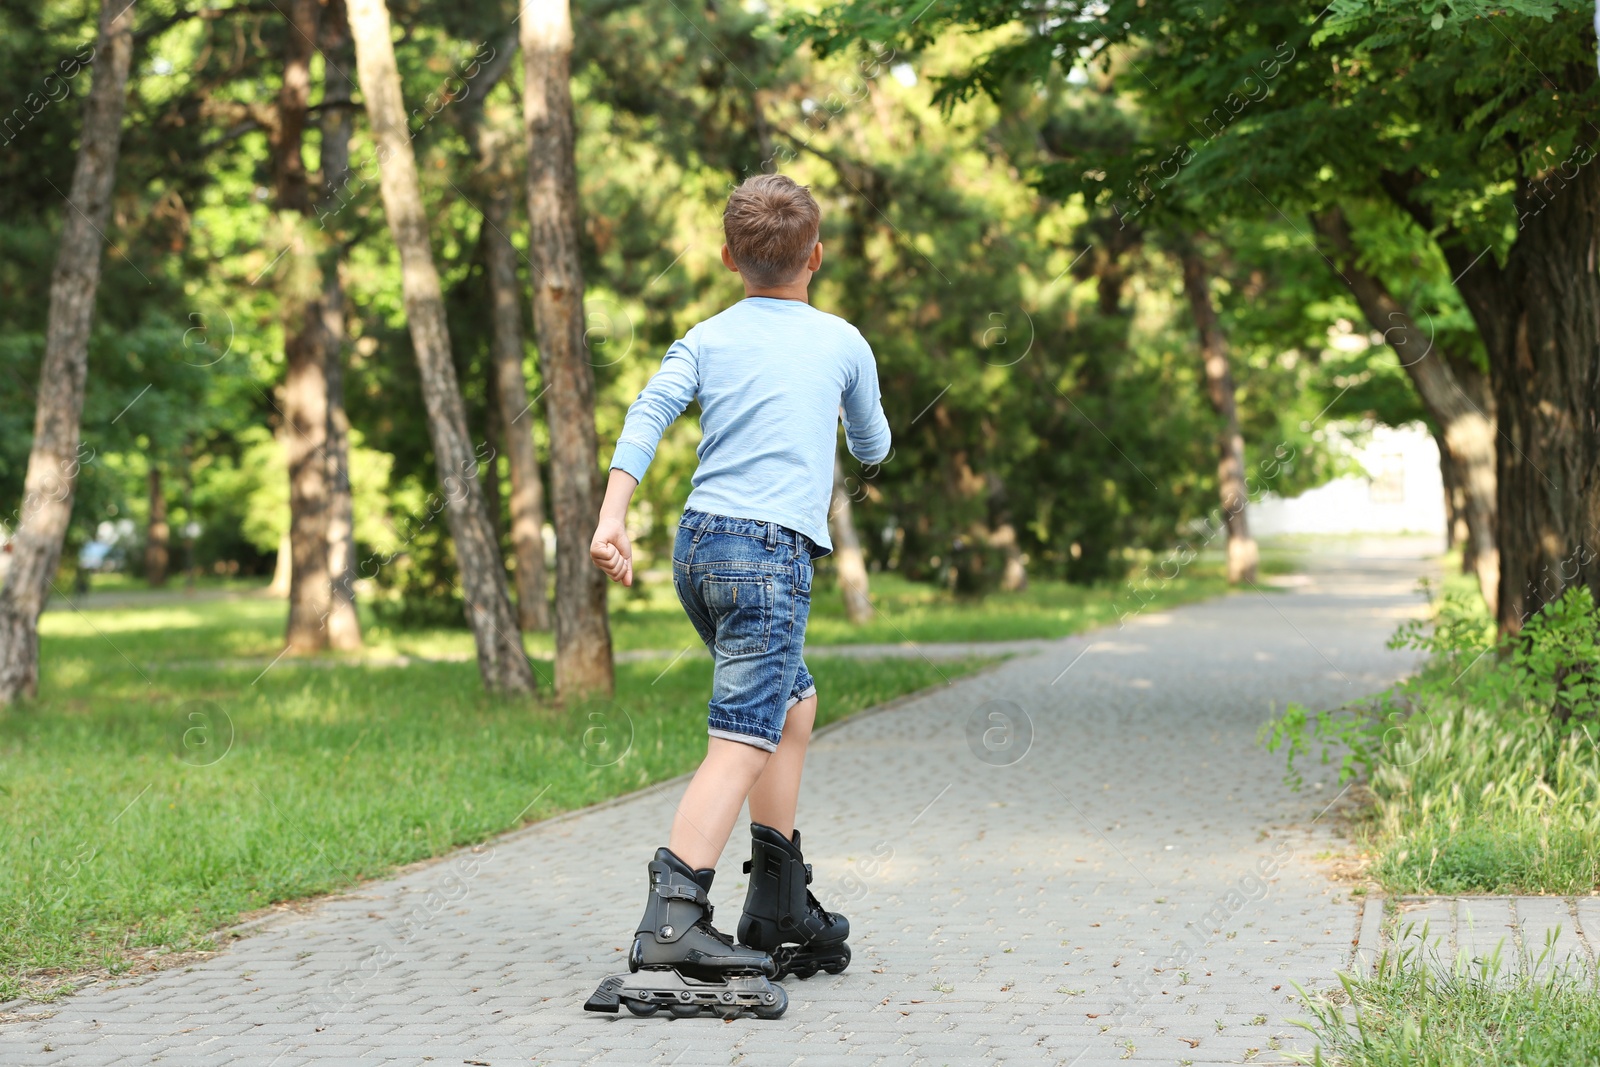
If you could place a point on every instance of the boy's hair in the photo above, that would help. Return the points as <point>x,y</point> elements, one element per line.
<point>771,225</point>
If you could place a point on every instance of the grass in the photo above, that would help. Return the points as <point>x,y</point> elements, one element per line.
<point>1475,800</point>
<point>1480,790</point>
<point>1475,785</point>
<point>1418,1012</point>
<point>143,808</point>
<point>647,617</point>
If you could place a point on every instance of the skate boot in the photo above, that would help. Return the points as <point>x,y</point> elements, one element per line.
<point>780,914</point>
<point>681,962</point>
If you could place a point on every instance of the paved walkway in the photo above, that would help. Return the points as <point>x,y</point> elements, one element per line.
<point>1080,857</point>
<point>1502,936</point>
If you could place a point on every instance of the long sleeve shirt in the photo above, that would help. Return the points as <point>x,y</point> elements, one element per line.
<point>774,379</point>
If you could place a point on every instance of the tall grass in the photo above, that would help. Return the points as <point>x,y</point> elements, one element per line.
<point>1484,768</point>
<point>1472,799</point>
<point>1419,1011</point>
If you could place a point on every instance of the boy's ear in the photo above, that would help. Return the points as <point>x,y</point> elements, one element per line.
<point>815,261</point>
<point>727,260</point>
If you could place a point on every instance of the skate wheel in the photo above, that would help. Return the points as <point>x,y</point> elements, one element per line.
<point>773,1004</point>
<point>839,965</point>
<point>642,1009</point>
<point>684,1011</point>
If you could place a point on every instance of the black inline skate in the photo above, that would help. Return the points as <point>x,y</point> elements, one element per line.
<point>782,917</point>
<point>681,962</point>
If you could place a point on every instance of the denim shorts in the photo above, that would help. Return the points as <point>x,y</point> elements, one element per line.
<point>746,586</point>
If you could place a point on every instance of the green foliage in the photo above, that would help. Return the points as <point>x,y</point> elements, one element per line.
<point>1484,766</point>
<point>1417,1010</point>
<point>1026,400</point>
<point>1556,659</point>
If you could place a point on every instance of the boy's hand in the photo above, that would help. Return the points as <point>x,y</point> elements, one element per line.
<point>611,550</point>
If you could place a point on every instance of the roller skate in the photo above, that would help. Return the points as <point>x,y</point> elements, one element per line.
<point>782,917</point>
<point>682,963</point>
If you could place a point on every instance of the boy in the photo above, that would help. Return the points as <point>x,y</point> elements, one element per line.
<point>773,376</point>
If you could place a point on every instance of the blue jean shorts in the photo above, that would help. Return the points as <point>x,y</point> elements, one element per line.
<point>746,586</point>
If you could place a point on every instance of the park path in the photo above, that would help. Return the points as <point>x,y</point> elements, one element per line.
<point>1086,888</point>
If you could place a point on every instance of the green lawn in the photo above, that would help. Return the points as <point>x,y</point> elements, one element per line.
<point>146,807</point>
<point>648,616</point>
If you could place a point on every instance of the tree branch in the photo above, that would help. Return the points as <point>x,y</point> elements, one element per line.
<point>210,14</point>
<point>1476,274</point>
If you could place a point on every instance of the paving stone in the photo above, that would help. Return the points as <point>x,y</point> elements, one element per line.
<point>1548,932</point>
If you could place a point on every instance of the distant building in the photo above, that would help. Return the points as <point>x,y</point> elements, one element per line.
<point>1401,491</point>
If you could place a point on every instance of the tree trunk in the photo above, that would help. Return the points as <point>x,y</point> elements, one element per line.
<point>1457,535</point>
<point>512,413</point>
<point>1545,373</point>
<point>847,557</point>
<point>281,568</point>
<point>1002,534</point>
<point>583,634</point>
<point>496,440</point>
<point>854,585</point>
<point>1242,553</point>
<point>305,385</point>
<point>190,527</point>
<point>344,624</point>
<point>158,537</point>
<point>501,660</point>
<point>516,419</point>
<point>1466,430</point>
<point>53,461</point>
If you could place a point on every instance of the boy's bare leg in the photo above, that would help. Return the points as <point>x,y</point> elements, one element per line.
<point>776,793</point>
<point>711,804</point>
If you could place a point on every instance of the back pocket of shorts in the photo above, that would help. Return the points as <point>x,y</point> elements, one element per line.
<point>742,610</point>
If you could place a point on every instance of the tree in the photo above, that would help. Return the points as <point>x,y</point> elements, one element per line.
<point>583,632</point>
<point>54,459</point>
<point>1242,553</point>
<point>344,625</point>
<point>1466,432</point>
<point>852,565</point>
<point>513,412</point>
<point>502,662</point>
<point>305,383</point>
<point>158,532</point>
<point>1437,108</point>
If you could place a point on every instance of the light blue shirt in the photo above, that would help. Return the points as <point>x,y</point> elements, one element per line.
<point>774,379</point>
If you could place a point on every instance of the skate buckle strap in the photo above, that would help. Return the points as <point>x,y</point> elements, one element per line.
<point>668,891</point>
<point>808,874</point>
<point>746,867</point>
